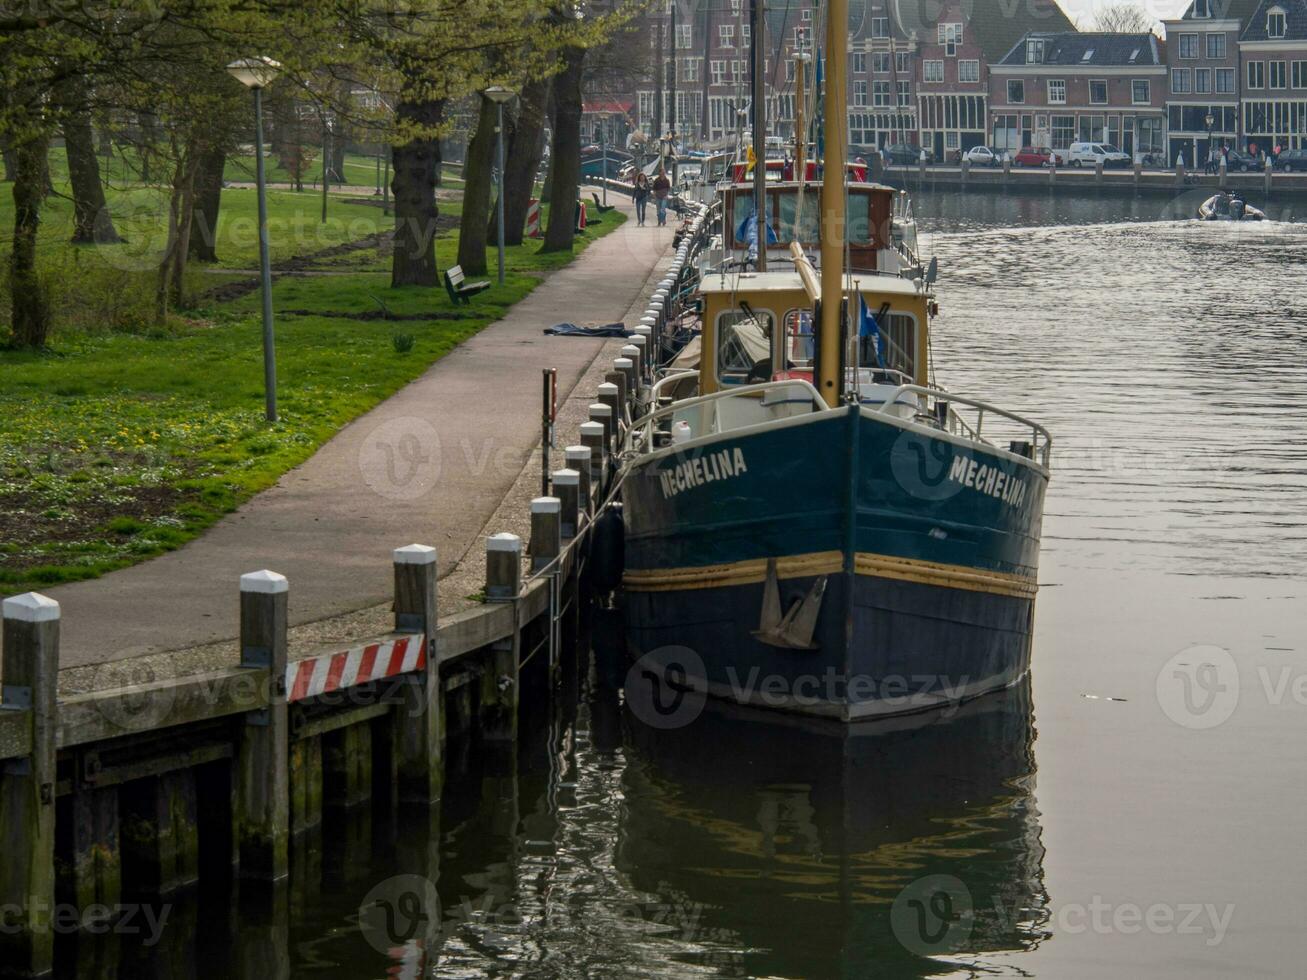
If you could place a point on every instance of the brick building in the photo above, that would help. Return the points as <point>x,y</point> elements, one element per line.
<point>1203,49</point>
<point>1052,89</point>
<point>1273,52</point>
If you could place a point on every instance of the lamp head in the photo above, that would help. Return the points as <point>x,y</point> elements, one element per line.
<point>254,72</point>
<point>499,94</point>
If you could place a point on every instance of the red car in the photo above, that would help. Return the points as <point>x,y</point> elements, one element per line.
<point>1036,156</point>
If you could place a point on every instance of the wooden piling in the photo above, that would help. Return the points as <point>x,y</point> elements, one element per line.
<point>627,367</point>
<point>503,567</point>
<point>546,531</point>
<point>92,873</point>
<point>567,488</point>
<point>592,437</point>
<point>160,834</point>
<point>416,734</point>
<point>27,787</point>
<point>601,413</point>
<point>610,395</point>
<point>641,343</point>
<point>632,353</point>
<point>578,459</point>
<point>305,784</point>
<point>262,784</point>
<point>617,379</point>
<point>347,765</point>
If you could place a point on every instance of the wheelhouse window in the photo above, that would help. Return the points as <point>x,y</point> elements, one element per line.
<point>743,344</point>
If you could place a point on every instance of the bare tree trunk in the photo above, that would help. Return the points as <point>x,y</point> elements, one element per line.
<point>203,238</point>
<point>416,164</point>
<point>524,159</point>
<point>339,139</point>
<point>566,153</point>
<point>168,285</point>
<point>10,159</point>
<point>477,173</point>
<point>29,305</point>
<point>91,219</point>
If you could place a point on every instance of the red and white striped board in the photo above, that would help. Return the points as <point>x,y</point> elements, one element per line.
<point>329,672</point>
<point>533,219</point>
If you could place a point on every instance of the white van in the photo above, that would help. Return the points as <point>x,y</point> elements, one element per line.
<point>1089,154</point>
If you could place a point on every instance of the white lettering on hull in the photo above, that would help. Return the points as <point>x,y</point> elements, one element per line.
<point>722,464</point>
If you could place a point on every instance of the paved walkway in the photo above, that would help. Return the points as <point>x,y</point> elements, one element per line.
<point>430,465</point>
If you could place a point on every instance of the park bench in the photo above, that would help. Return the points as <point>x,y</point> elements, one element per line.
<point>601,208</point>
<point>460,290</point>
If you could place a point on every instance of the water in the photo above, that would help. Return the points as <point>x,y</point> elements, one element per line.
<point>1091,823</point>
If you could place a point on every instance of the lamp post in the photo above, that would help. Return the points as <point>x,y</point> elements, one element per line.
<point>1211,121</point>
<point>498,94</point>
<point>257,74</point>
<point>326,131</point>
<point>603,148</point>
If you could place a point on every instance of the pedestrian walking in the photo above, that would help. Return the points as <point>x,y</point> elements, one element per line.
<point>641,196</point>
<point>662,188</point>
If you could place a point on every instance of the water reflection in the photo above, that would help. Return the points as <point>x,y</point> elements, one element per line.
<point>845,854</point>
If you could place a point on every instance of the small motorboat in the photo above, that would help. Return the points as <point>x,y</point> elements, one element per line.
<point>1228,207</point>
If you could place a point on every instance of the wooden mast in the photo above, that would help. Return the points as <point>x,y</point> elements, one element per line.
<point>829,351</point>
<point>757,18</point>
<point>800,123</point>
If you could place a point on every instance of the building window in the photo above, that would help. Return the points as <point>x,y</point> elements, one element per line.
<point>1300,74</point>
<point>1275,22</point>
<point>1016,91</point>
<point>880,93</point>
<point>737,72</point>
<point>859,93</point>
<point>1203,81</point>
<point>1257,74</point>
<point>880,27</point>
<point>1276,70</point>
<point>951,140</point>
<point>1035,51</point>
<point>949,35</point>
<point>905,94</point>
<point>1180,81</point>
<point>718,71</point>
<point>684,36</point>
<point>646,106</point>
<point>901,62</point>
<point>803,38</point>
<point>1188,46</point>
<point>746,33</point>
<point>1216,46</point>
<point>1202,9</point>
<point>969,71</point>
<point>932,71</point>
<point>690,69</point>
<point>1063,131</point>
<point>1098,91</point>
<point>726,35</point>
<point>858,63</point>
<point>880,62</point>
<point>1225,81</point>
<point>1056,91</point>
<point>789,71</point>
<point>1139,92</point>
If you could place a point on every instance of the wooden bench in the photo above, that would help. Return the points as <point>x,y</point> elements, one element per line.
<point>460,290</point>
<point>601,208</point>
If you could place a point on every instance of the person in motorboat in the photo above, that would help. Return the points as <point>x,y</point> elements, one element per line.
<point>1221,205</point>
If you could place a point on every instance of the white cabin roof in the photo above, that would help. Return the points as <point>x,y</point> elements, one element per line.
<point>788,280</point>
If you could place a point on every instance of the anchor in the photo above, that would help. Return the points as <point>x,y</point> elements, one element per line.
<point>794,629</point>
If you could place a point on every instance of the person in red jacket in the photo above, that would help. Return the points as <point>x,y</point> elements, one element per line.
<point>662,189</point>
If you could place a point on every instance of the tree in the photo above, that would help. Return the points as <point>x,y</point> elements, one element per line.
<point>523,158</point>
<point>478,166</point>
<point>203,241</point>
<point>565,172</point>
<point>92,222</point>
<point>1122,18</point>
<point>30,304</point>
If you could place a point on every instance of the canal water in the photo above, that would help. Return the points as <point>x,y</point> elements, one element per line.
<point>1139,808</point>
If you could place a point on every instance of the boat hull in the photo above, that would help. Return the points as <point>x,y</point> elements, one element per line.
<point>918,564</point>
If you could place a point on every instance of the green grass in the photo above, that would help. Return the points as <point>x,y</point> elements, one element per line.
<point>118,443</point>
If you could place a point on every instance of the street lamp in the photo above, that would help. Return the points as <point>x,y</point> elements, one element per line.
<point>498,94</point>
<point>1211,121</point>
<point>257,74</point>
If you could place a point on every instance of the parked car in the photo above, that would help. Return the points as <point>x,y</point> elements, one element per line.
<point>1037,156</point>
<point>1089,154</point>
<point>1290,160</point>
<point>983,156</point>
<point>1243,162</point>
<point>904,154</point>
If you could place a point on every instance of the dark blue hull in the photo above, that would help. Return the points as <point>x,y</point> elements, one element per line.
<point>908,569</point>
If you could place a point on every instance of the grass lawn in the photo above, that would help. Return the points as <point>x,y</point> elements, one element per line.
<point>118,444</point>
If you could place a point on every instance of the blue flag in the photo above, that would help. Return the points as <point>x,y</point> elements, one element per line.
<point>868,327</point>
<point>748,232</point>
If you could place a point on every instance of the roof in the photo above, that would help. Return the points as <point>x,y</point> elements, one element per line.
<point>996,25</point>
<point>1295,21</point>
<point>1070,48</point>
<point>1224,10</point>
<point>787,280</point>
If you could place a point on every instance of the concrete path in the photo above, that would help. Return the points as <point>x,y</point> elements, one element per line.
<point>429,465</point>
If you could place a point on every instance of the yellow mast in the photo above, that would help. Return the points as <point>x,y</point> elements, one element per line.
<point>829,383</point>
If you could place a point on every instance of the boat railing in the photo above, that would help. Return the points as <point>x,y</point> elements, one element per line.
<point>1041,442</point>
<point>707,410</point>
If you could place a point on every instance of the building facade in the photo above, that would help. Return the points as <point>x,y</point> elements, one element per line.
<point>1273,51</point>
<point>1057,89</point>
<point>1203,78</point>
